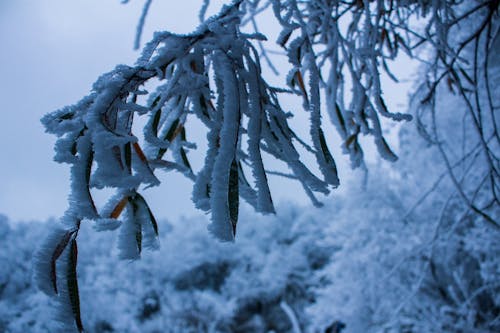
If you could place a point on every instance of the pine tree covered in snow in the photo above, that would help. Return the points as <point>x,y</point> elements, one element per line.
<point>336,52</point>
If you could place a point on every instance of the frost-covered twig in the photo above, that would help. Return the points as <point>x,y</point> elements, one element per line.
<point>291,315</point>
<point>214,74</point>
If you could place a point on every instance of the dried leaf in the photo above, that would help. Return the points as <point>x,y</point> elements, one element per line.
<point>211,104</point>
<point>74,296</point>
<point>117,153</point>
<point>383,35</point>
<point>170,133</point>
<point>241,174</point>
<point>138,232</point>
<point>156,122</point>
<point>328,158</point>
<point>169,136</point>
<point>155,102</point>
<point>55,255</point>
<point>88,173</point>
<point>178,130</point>
<point>385,151</point>
<point>340,117</point>
<point>233,195</point>
<point>284,37</point>
<point>144,160</point>
<point>119,208</point>
<point>192,64</point>
<point>151,215</point>
<point>350,140</point>
<point>138,238</point>
<point>185,159</point>
<point>300,81</point>
<point>203,105</point>
<point>128,157</point>
<point>139,152</point>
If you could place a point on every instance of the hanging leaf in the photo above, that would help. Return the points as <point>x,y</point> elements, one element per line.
<point>55,255</point>
<point>169,136</point>
<point>117,153</point>
<point>185,159</point>
<point>155,102</point>
<point>211,104</point>
<point>203,105</point>
<point>300,81</point>
<point>74,148</point>
<point>328,157</point>
<point>136,221</point>
<point>119,208</point>
<point>233,195</point>
<point>156,122</point>
<point>72,281</point>
<point>173,128</point>
<point>183,133</point>
<point>178,130</point>
<point>241,174</point>
<point>142,157</point>
<point>161,152</point>
<point>138,238</point>
<point>383,35</point>
<point>384,150</point>
<point>150,213</point>
<point>352,138</point>
<point>128,157</point>
<point>284,36</point>
<point>192,64</point>
<point>139,152</point>
<point>88,173</point>
<point>340,118</point>
<point>182,151</point>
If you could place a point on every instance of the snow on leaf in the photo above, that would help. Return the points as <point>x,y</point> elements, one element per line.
<point>384,150</point>
<point>152,218</point>
<point>228,104</point>
<point>330,162</point>
<point>44,259</point>
<point>119,207</point>
<point>56,254</point>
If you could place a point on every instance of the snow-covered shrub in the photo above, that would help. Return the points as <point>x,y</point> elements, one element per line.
<point>22,307</point>
<point>361,260</point>
<point>201,285</point>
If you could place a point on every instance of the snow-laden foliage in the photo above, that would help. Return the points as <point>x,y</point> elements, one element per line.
<point>466,66</point>
<point>336,51</point>
<point>369,269</point>
<point>98,130</point>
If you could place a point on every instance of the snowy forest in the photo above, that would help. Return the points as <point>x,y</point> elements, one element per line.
<point>394,219</point>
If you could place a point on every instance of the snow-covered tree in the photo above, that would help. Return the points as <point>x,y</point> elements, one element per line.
<point>336,52</point>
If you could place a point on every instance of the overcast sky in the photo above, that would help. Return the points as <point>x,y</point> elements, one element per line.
<point>51,53</point>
